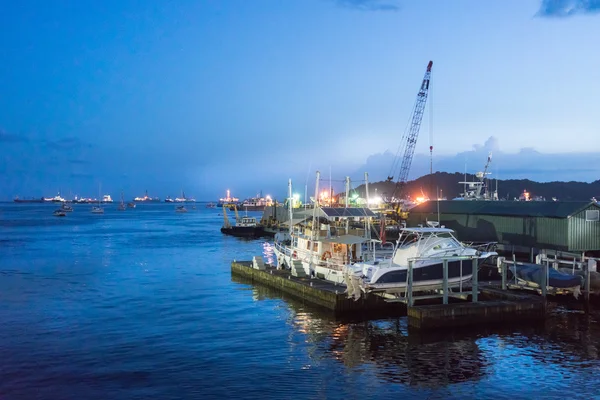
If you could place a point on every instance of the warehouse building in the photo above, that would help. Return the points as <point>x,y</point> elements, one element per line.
<point>562,226</point>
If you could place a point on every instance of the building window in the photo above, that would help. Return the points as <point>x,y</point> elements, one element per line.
<point>592,215</point>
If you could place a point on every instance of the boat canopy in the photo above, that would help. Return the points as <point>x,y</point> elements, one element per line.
<point>295,221</point>
<point>346,239</point>
<point>340,212</point>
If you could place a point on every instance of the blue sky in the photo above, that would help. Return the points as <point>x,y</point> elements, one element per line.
<point>210,95</point>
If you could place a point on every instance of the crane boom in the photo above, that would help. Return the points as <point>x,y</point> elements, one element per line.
<point>411,137</point>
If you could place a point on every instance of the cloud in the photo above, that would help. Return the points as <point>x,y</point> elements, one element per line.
<point>369,5</point>
<point>526,163</point>
<point>6,137</point>
<point>568,8</point>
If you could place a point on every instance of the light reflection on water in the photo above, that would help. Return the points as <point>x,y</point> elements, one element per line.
<point>141,304</point>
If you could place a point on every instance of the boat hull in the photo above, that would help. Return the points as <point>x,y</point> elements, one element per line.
<point>426,276</point>
<point>243,231</point>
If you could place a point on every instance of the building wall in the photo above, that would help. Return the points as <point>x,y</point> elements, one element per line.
<point>539,232</point>
<point>584,235</point>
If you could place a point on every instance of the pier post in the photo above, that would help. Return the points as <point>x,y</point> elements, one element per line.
<point>410,283</point>
<point>587,285</point>
<point>475,282</point>
<point>503,269</point>
<point>531,254</point>
<point>544,283</point>
<point>445,281</point>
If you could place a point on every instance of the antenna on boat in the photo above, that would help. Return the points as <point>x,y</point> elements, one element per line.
<point>314,225</point>
<point>290,205</point>
<point>438,203</point>
<point>367,221</point>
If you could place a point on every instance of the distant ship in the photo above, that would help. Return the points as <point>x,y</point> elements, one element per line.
<point>227,200</point>
<point>184,199</point>
<point>55,199</point>
<point>107,199</point>
<point>30,200</point>
<point>146,198</point>
<point>257,203</point>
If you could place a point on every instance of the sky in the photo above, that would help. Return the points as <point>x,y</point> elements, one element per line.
<point>204,96</point>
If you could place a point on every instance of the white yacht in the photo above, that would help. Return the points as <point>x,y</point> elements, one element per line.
<point>426,248</point>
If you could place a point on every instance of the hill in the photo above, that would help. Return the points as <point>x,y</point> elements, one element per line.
<point>449,187</point>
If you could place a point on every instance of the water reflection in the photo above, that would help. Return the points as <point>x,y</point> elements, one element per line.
<point>568,341</point>
<point>385,346</point>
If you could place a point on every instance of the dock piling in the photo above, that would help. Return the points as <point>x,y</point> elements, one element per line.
<point>544,282</point>
<point>409,286</point>
<point>445,281</point>
<point>586,297</point>
<point>475,280</point>
<point>503,269</point>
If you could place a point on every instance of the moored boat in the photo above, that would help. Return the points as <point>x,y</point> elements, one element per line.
<point>244,226</point>
<point>180,209</point>
<point>59,213</point>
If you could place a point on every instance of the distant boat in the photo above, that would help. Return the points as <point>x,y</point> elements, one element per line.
<point>169,200</point>
<point>65,207</point>
<point>184,199</point>
<point>146,198</point>
<point>98,209</point>
<point>59,213</point>
<point>211,205</point>
<point>18,200</point>
<point>121,204</point>
<point>180,209</point>
<point>130,205</point>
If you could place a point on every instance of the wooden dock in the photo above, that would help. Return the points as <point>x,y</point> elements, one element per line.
<point>492,305</point>
<point>315,291</point>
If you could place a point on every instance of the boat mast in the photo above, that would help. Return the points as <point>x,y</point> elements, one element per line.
<point>290,205</point>
<point>347,194</point>
<point>368,222</point>
<point>314,225</point>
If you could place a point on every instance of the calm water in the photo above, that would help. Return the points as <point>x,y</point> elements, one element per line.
<point>140,304</point>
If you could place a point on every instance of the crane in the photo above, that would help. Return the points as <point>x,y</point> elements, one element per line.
<point>410,138</point>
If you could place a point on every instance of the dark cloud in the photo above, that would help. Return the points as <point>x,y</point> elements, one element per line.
<point>526,163</point>
<point>568,8</point>
<point>369,5</point>
<point>6,137</point>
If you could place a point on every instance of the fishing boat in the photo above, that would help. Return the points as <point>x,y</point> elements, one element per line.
<point>59,213</point>
<point>244,226</point>
<point>180,209</point>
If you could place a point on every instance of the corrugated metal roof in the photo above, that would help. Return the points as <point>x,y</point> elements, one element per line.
<point>551,209</point>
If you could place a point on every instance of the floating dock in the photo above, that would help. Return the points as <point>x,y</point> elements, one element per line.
<point>492,305</point>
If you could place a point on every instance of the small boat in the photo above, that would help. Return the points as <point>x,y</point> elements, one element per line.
<point>98,209</point>
<point>180,209</point>
<point>66,208</point>
<point>169,200</point>
<point>531,275</point>
<point>121,204</point>
<point>130,205</point>
<point>59,213</point>
<point>211,205</point>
